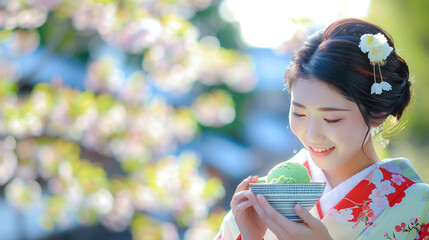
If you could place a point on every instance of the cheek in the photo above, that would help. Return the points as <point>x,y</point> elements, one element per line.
<point>295,126</point>
<point>352,134</point>
<point>341,136</point>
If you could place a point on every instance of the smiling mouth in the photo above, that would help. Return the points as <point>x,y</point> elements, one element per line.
<point>321,149</point>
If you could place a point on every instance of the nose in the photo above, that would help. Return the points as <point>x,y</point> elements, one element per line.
<point>313,131</point>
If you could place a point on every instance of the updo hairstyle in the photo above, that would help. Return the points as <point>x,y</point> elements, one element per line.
<point>333,56</point>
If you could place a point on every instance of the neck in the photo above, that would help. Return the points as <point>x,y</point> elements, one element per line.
<point>356,164</point>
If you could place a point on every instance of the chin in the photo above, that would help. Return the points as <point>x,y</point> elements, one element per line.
<point>326,165</point>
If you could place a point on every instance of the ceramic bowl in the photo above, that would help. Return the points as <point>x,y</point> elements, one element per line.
<point>284,196</point>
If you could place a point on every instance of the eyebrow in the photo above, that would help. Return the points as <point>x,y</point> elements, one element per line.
<point>325,109</point>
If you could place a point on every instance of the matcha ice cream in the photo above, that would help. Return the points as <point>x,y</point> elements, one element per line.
<point>288,172</point>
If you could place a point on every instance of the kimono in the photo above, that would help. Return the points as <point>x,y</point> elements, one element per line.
<point>386,201</point>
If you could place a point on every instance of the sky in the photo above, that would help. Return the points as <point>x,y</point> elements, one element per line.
<point>269,23</point>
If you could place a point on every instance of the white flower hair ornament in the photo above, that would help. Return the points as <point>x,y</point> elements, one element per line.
<point>378,50</point>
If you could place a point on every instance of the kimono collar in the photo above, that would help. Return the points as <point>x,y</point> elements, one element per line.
<point>382,188</point>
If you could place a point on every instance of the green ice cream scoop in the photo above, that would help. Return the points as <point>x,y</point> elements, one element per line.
<point>288,172</point>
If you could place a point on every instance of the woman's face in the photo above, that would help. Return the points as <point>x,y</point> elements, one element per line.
<point>330,126</point>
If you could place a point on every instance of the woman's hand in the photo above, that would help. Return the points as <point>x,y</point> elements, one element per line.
<point>245,216</point>
<point>283,228</point>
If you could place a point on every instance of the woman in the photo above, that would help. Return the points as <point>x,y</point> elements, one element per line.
<point>344,82</point>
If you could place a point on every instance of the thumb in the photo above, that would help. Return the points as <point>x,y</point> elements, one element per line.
<point>306,216</point>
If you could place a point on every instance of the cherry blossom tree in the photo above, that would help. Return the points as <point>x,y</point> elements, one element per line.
<point>107,153</point>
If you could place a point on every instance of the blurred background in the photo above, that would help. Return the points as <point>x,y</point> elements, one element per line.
<point>136,119</point>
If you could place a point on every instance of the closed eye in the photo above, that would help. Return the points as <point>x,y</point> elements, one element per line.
<point>332,120</point>
<point>298,115</point>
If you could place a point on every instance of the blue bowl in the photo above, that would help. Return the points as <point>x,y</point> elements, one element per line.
<point>284,196</point>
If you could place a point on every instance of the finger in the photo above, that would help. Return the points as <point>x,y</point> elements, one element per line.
<point>241,207</point>
<point>254,179</point>
<point>244,185</point>
<point>279,223</point>
<point>260,209</point>
<point>255,204</point>
<point>306,216</point>
<point>271,212</point>
<point>238,198</point>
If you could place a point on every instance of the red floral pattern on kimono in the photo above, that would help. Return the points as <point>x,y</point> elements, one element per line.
<point>377,196</point>
<point>412,226</point>
<point>424,232</point>
<point>371,196</point>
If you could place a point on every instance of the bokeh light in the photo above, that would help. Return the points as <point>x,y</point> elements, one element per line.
<point>270,23</point>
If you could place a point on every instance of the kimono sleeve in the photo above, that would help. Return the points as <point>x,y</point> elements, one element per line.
<point>423,234</point>
<point>406,218</point>
<point>228,229</point>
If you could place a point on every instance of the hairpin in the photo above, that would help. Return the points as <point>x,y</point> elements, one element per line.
<point>378,50</point>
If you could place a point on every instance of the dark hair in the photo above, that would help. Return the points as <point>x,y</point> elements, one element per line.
<point>333,56</point>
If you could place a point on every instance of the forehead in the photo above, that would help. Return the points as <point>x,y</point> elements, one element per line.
<point>313,92</point>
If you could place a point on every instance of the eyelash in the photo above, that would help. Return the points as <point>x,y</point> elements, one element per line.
<point>327,120</point>
<point>332,121</point>
<point>297,115</point>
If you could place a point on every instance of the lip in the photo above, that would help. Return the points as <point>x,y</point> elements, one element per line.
<point>320,154</point>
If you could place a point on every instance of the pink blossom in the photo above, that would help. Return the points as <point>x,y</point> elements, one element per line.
<point>375,194</point>
<point>385,187</point>
<point>342,215</point>
<point>378,204</point>
<point>397,179</point>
